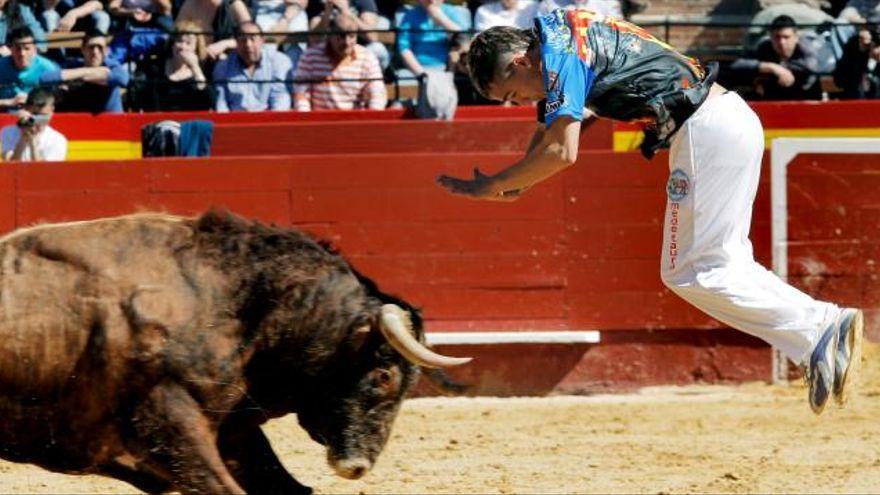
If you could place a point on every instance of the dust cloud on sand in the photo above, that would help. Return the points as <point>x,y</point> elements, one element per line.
<point>720,439</point>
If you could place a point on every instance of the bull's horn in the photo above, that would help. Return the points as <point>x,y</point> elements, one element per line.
<point>401,339</point>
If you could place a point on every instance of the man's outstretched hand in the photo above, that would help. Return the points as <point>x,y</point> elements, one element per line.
<point>480,187</point>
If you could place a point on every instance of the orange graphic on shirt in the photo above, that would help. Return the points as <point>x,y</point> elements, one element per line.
<point>580,22</point>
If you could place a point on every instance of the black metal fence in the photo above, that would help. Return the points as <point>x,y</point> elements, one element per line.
<point>700,38</point>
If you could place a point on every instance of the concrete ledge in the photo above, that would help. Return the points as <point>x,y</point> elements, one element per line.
<point>625,360</point>
<point>530,337</point>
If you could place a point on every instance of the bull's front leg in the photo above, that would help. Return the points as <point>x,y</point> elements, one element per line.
<point>249,456</point>
<point>180,440</point>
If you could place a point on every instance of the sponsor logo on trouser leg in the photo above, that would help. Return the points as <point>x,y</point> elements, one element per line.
<point>677,188</point>
<point>673,235</point>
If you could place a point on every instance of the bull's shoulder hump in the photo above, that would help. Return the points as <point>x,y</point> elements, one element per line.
<point>123,222</point>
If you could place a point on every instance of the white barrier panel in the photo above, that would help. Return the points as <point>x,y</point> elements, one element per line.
<point>531,337</point>
<point>782,152</point>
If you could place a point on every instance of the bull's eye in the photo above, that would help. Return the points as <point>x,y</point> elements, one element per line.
<point>384,377</point>
<point>384,381</point>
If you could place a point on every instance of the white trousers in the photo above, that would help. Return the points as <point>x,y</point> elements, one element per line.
<point>714,165</point>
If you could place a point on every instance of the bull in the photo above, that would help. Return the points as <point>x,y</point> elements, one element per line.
<point>151,348</point>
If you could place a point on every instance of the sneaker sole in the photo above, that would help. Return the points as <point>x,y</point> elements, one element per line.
<point>852,371</point>
<point>821,376</point>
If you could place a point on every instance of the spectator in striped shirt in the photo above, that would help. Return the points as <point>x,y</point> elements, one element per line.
<point>339,74</point>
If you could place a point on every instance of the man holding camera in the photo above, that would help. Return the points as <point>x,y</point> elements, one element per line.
<point>31,139</point>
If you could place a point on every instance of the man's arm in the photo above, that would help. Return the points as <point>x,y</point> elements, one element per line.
<point>851,14</point>
<point>16,101</point>
<point>435,11</point>
<point>537,137</point>
<point>404,45</point>
<point>292,8</point>
<point>69,19</point>
<point>754,67</point>
<point>411,62</point>
<point>29,20</point>
<point>374,94</point>
<point>95,75</point>
<point>116,8</point>
<point>550,152</point>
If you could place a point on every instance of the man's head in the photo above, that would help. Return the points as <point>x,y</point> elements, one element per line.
<point>784,36</point>
<point>21,42</point>
<point>505,65</point>
<point>94,46</point>
<point>249,42</point>
<point>343,37</point>
<point>40,104</point>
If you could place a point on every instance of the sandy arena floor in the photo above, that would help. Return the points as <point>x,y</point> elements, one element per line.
<point>745,439</point>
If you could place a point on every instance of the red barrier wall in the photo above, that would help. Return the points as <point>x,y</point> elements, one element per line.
<point>403,136</point>
<point>578,252</point>
<point>127,126</point>
<point>834,230</point>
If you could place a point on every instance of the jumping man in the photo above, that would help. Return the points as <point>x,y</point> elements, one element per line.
<point>572,59</point>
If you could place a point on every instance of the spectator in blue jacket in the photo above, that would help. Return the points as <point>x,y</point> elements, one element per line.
<point>99,94</point>
<point>424,38</point>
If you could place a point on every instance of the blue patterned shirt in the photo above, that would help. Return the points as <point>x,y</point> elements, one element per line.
<point>617,70</point>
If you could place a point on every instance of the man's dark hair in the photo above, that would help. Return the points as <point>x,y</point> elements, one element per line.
<point>782,22</point>
<point>240,31</point>
<point>39,97</point>
<point>19,33</point>
<point>491,51</point>
<point>91,34</point>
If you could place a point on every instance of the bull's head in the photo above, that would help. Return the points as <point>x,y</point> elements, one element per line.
<point>354,411</point>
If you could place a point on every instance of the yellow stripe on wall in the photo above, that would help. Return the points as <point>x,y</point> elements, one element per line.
<point>630,140</point>
<point>103,150</point>
<point>627,140</point>
<point>770,134</point>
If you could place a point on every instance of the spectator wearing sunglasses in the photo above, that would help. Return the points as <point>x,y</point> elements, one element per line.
<point>103,91</point>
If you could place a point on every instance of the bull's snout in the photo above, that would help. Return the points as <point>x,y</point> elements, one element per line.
<point>353,468</point>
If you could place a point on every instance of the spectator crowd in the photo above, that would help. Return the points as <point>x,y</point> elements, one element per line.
<point>248,55</point>
<point>255,55</point>
<point>808,54</point>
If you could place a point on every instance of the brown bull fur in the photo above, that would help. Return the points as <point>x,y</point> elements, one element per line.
<point>151,347</point>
